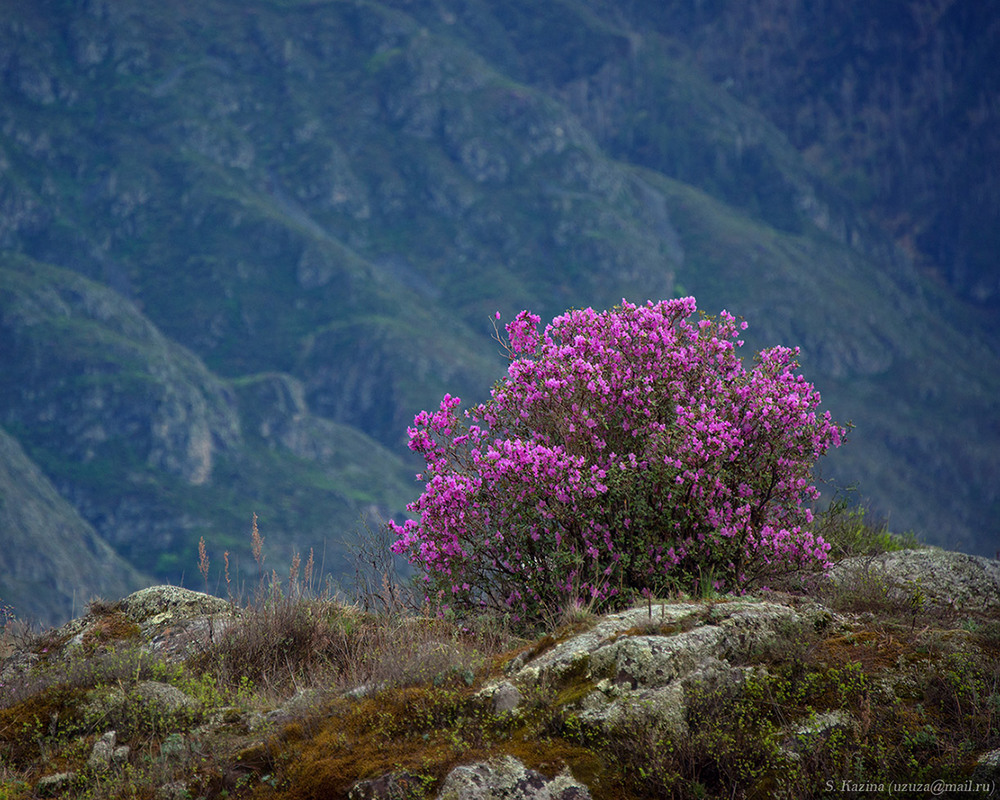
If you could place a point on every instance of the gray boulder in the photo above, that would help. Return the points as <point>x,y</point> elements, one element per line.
<point>507,778</point>
<point>159,604</point>
<point>645,660</point>
<point>939,578</point>
<point>102,752</point>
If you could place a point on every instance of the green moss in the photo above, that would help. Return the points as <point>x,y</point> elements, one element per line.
<point>550,756</point>
<point>574,684</point>
<point>420,731</point>
<point>30,727</point>
<point>654,627</point>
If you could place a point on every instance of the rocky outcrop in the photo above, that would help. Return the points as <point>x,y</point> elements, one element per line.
<point>934,578</point>
<point>503,778</point>
<point>648,659</point>
<point>169,623</point>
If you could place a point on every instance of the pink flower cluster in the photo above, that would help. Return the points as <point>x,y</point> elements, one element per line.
<point>626,451</point>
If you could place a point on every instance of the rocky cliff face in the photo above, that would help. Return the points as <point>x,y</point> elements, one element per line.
<point>882,675</point>
<point>84,366</point>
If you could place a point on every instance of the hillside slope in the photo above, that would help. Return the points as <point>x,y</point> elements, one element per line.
<point>51,561</point>
<point>242,244</point>
<point>155,451</point>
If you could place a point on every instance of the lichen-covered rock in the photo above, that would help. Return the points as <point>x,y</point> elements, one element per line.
<point>170,603</point>
<point>939,578</point>
<point>174,790</point>
<point>102,752</point>
<point>508,779</point>
<point>505,698</point>
<point>54,785</point>
<point>167,621</point>
<point>174,622</point>
<point>988,767</point>
<point>806,735</point>
<point>648,657</point>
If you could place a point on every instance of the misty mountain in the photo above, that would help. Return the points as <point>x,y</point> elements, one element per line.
<point>242,244</point>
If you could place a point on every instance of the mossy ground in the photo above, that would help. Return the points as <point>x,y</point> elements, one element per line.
<point>906,704</point>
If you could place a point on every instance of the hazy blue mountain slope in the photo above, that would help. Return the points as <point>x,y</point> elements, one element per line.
<point>889,108</point>
<point>244,243</point>
<point>923,407</point>
<point>51,562</point>
<point>253,179</point>
<point>892,104</point>
<point>155,451</point>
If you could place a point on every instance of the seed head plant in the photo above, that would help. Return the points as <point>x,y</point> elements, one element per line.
<point>625,451</point>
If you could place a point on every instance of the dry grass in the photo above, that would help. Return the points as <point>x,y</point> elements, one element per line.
<point>8,639</point>
<point>291,636</point>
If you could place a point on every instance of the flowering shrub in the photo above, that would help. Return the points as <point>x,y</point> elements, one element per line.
<point>628,450</point>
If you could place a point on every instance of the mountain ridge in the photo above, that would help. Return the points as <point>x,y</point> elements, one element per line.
<point>324,204</point>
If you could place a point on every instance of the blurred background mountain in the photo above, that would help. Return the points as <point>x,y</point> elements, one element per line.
<point>241,244</point>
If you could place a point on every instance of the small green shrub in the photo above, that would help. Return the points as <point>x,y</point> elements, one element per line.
<point>866,587</point>
<point>849,531</point>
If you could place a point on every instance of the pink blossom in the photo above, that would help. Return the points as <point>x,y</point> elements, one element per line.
<point>625,449</point>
